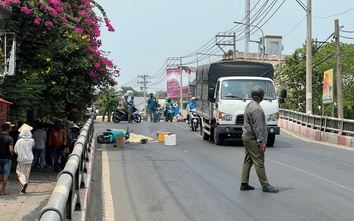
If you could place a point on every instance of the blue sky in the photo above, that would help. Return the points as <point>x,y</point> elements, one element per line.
<point>149,32</point>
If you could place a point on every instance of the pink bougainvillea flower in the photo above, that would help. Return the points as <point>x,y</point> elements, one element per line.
<point>59,10</point>
<point>109,26</point>
<point>64,18</point>
<point>75,110</point>
<point>92,74</point>
<point>26,10</point>
<point>49,24</point>
<point>97,65</point>
<point>56,3</point>
<point>79,30</point>
<point>73,80</point>
<point>37,21</point>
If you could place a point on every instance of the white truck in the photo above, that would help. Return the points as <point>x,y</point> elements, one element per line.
<point>223,89</point>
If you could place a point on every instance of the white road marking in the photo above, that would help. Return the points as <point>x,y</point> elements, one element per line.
<point>314,175</point>
<point>108,213</point>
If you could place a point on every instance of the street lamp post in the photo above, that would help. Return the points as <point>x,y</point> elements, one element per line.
<point>241,23</point>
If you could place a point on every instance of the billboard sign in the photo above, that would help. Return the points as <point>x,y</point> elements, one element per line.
<point>174,82</point>
<point>327,97</point>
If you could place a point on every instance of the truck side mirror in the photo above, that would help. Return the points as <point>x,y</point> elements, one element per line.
<point>211,94</point>
<point>283,93</point>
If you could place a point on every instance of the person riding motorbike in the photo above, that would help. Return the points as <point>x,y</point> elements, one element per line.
<point>168,105</point>
<point>127,107</point>
<point>190,107</point>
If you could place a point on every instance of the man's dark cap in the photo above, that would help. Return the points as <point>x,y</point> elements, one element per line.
<point>5,126</point>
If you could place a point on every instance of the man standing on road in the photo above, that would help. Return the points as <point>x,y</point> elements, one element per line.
<point>152,108</point>
<point>6,152</point>
<point>254,138</point>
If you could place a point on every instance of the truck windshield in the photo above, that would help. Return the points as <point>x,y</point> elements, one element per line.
<point>241,89</point>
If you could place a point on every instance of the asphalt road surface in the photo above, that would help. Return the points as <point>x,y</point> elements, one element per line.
<point>197,180</point>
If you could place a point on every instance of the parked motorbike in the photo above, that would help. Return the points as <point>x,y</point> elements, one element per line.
<point>193,121</point>
<point>121,115</point>
<point>159,113</point>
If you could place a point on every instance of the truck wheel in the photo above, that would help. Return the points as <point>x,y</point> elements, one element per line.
<point>270,140</point>
<point>218,139</point>
<point>205,135</point>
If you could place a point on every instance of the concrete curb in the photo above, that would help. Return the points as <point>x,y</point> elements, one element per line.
<point>316,134</point>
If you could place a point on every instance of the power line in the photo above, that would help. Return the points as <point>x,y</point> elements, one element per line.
<point>346,37</point>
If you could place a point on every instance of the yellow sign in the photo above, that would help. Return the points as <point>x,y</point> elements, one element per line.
<point>327,97</point>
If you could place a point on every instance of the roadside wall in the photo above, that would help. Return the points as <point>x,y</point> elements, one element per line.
<point>316,134</point>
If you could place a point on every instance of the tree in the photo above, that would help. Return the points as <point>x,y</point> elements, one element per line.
<point>161,94</point>
<point>293,77</point>
<point>59,63</point>
<point>125,90</point>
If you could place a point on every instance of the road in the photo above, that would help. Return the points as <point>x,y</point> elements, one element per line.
<point>197,180</point>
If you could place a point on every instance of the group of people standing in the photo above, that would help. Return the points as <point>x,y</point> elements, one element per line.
<point>40,146</point>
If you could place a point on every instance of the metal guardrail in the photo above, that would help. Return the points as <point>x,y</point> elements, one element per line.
<point>322,123</point>
<point>65,198</point>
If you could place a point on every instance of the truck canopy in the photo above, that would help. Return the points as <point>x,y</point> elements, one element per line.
<point>213,71</point>
<point>208,74</point>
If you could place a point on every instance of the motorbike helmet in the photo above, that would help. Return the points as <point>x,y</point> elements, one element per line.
<point>193,99</point>
<point>151,94</point>
<point>257,93</point>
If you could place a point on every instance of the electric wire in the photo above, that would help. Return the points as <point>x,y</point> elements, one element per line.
<point>346,31</point>
<point>209,49</point>
<point>345,37</point>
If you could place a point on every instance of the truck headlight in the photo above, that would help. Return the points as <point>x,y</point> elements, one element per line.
<point>272,117</point>
<point>226,117</point>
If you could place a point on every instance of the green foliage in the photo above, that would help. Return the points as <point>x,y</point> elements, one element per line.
<point>59,63</point>
<point>293,78</point>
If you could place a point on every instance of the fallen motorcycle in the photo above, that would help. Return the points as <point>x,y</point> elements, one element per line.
<point>109,136</point>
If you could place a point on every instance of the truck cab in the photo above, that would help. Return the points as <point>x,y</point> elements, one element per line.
<point>230,98</point>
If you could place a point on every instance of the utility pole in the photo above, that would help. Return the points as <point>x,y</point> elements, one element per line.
<point>309,59</point>
<point>247,22</point>
<point>219,40</point>
<point>338,70</point>
<point>144,82</point>
<point>181,87</point>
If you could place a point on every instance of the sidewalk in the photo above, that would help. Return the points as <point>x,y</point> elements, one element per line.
<point>20,206</point>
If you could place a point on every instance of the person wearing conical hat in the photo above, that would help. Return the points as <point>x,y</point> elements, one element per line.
<point>23,149</point>
<point>72,137</point>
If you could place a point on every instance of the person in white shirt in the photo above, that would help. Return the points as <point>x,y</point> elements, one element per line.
<point>23,149</point>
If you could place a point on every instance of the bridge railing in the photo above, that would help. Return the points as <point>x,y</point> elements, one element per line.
<point>322,123</point>
<point>65,198</point>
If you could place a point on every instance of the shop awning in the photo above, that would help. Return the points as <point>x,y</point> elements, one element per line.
<point>6,102</point>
